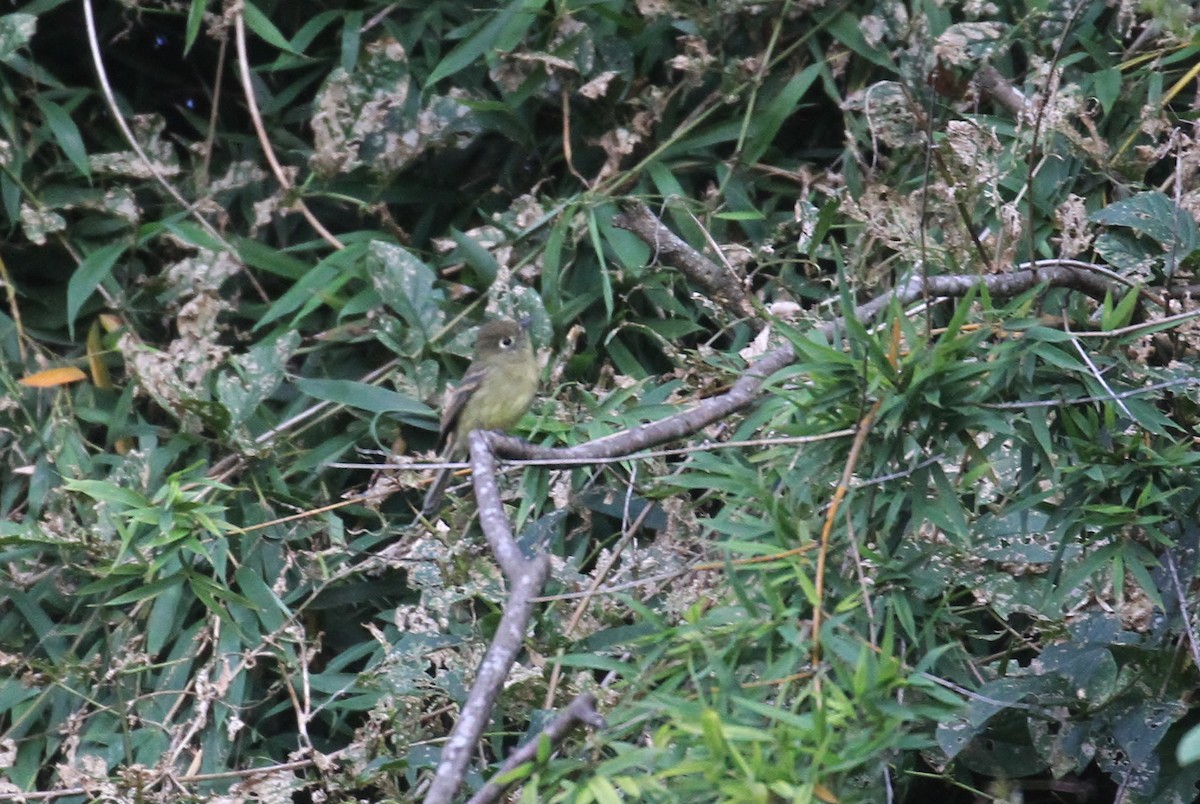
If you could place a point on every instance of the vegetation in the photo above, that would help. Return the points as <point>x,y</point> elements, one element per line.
<point>947,551</point>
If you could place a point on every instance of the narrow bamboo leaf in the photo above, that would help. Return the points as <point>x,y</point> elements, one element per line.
<point>192,27</point>
<point>552,260</point>
<point>66,133</point>
<point>145,591</point>
<point>477,257</point>
<point>777,110</point>
<point>364,397</point>
<point>95,268</point>
<point>104,491</point>
<point>601,262</point>
<point>475,48</point>
<point>266,30</point>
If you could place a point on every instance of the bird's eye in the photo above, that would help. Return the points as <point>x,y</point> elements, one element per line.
<point>506,342</point>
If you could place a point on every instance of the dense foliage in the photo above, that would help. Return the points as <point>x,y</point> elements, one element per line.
<point>256,278</point>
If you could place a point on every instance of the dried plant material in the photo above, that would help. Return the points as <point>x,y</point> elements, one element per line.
<point>694,62</point>
<point>1076,233</point>
<point>968,43</point>
<point>238,175</point>
<point>598,86</point>
<point>874,29</point>
<point>37,223</point>
<point>179,378</point>
<point>975,9</point>
<point>550,62</point>
<point>150,133</point>
<point>888,216</point>
<point>616,144</point>
<point>368,118</point>
<point>653,8</point>
<point>265,787</point>
<point>976,149</point>
<point>888,112</point>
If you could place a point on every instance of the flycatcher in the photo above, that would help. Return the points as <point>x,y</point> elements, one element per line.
<point>494,394</point>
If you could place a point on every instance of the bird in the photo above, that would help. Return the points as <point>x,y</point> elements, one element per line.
<point>495,392</point>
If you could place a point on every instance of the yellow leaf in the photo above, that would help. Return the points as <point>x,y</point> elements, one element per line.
<point>100,376</point>
<point>53,377</point>
<point>825,794</point>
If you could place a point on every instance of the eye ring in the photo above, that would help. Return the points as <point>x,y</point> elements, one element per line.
<point>506,342</point>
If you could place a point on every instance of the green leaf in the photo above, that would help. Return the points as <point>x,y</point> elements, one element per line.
<point>45,632</point>
<point>301,293</point>
<point>629,249</point>
<point>1126,251</point>
<point>1152,214</point>
<point>261,25</point>
<point>603,791</point>
<point>1107,87</point>
<point>66,133</point>
<point>267,606</point>
<point>552,260</point>
<point>195,18</point>
<point>258,373</point>
<point>319,286</point>
<point>407,286</point>
<point>601,262</point>
<point>1122,314</point>
<point>481,45</point>
<point>165,616</point>
<point>748,215</point>
<point>1188,750</point>
<point>95,268</point>
<point>847,29</point>
<point>1059,358</point>
<point>146,591</point>
<point>477,257</point>
<point>544,749</point>
<point>1157,217</point>
<point>365,397</point>
<point>766,124</point>
<point>16,31</point>
<point>256,254</point>
<point>112,493</point>
<point>522,771</point>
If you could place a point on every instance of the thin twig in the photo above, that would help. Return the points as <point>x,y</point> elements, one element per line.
<point>1095,371</point>
<point>1087,400</point>
<point>285,183</point>
<point>843,488</point>
<point>1184,613</point>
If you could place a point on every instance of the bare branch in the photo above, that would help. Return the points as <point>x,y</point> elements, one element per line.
<point>526,576</point>
<point>747,388</point>
<point>1001,90</point>
<point>716,280</point>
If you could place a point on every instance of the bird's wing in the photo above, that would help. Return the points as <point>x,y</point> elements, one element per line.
<point>456,402</point>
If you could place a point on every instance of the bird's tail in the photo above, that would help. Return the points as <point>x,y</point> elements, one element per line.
<point>433,497</point>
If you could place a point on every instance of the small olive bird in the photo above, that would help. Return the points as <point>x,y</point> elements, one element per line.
<point>494,394</point>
